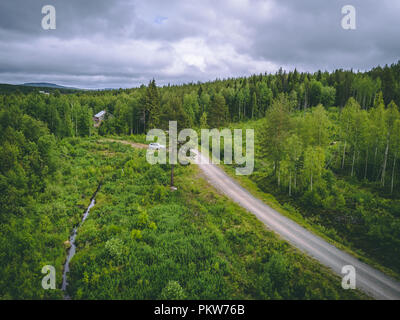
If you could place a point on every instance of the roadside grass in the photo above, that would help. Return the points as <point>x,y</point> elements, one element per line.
<point>329,234</point>
<point>207,243</point>
<point>289,208</point>
<point>250,223</point>
<point>296,216</point>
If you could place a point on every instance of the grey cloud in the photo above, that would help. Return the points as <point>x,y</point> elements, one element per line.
<point>123,43</point>
<point>310,34</point>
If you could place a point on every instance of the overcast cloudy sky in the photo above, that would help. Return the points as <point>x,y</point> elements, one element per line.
<point>124,43</point>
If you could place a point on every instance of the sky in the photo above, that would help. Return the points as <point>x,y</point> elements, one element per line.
<point>126,43</point>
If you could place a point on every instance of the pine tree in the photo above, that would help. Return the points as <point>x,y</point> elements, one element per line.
<point>152,106</point>
<point>218,113</point>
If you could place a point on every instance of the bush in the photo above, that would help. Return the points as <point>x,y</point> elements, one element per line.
<point>160,193</point>
<point>136,234</point>
<point>115,247</point>
<point>173,291</point>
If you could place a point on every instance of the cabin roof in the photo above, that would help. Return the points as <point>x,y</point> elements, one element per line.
<point>100,114</point>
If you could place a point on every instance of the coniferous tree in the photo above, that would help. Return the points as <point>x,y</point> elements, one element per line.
<point>218,113</point>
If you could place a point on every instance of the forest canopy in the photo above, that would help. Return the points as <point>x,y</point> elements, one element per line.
<point>327,147</point>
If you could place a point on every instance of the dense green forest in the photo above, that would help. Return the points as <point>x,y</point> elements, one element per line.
<point>145,242</point>
<point>337,170</point>
<point>328,146</point>
<point>212,104</point>
<point>142,241</point>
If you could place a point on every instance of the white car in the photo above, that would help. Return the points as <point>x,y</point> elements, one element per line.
<point>156,146</point>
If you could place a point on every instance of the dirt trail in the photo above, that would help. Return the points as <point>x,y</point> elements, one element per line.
<point>132,144</point>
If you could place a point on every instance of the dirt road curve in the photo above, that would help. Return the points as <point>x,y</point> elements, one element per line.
<point>368,279</point>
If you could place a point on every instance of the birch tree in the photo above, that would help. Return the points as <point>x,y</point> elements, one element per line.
<point>275,133</point>
<point>396,150</point>
<point>391,116</point>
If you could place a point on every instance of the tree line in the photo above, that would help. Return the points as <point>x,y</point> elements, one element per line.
<point>210,104</point>
<point>316,132</point>
<point>354,141</point>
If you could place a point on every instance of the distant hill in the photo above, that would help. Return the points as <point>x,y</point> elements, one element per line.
<point>35,87</point>
<point>46,85</point>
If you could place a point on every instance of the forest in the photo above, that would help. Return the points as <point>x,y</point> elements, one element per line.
<point>327,150</point>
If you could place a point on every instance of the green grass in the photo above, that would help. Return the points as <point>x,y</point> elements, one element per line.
<point>296,216</point>
<point>141,235</point>
<point>294,209</point>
